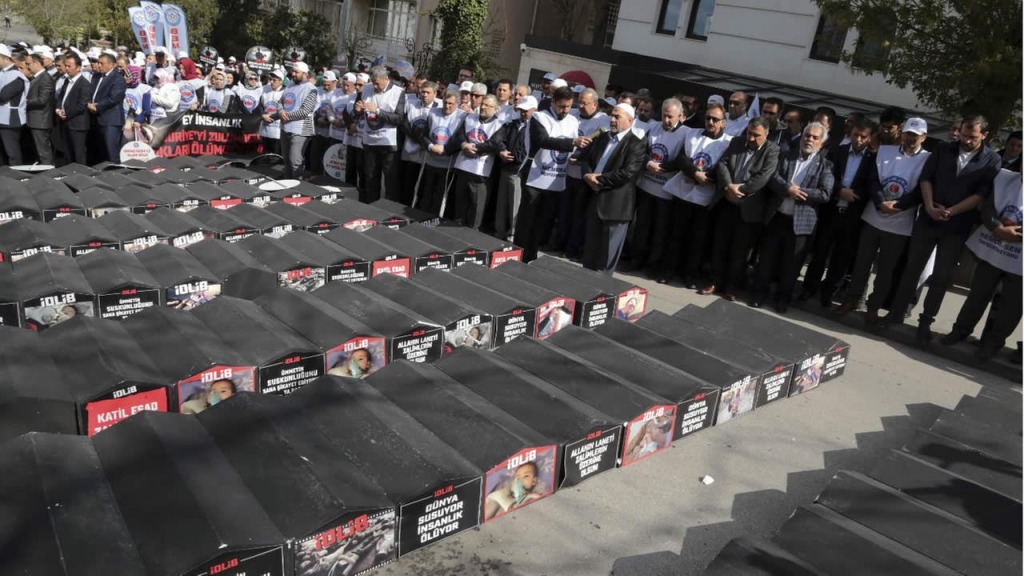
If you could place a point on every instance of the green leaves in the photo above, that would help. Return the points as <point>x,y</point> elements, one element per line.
<point>462,41</point>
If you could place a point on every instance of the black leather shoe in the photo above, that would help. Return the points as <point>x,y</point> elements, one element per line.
<point>954,337</point>
<point>924,333</point>
<point>782,307</point>
<point>805,296</point>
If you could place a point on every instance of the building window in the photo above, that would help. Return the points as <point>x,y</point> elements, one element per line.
<point>872,54</point>
<point>829,40</point>
<point>668,19</point>
<point>391,19</point>
<point>700,19</point>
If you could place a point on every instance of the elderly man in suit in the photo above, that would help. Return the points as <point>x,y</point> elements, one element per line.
<point>107,106</point>
<point>72,111</point>
<point>611,166</point>
<point>40,108</point>
<point>742,177</point>
<point>803,181</point>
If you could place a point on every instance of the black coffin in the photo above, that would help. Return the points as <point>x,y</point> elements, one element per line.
<point>58,514</point>
<point>201,366</point>
<point>589,439</point>
<point>10,302</point>
<point>499,251</point>
<point>142,199</point>
<point>409,213</point>
<point>57,201</point>
<point>76,182</point>
<point>162,468</point>
<point>423,255</point>
<point>301,193</point>
<point>511,318</point>
<point>593,305</point>
<point>436,490</point>
<point>383,259</point>
<point>32,396</point>
<point>302,218</point>
<point>52,290</point>
<point>770,375</point>
<point>818,357</point>
<point>293,269</point>
<point>99,202</point>
<point>148,178</point>
<point>461,251</point>
<point>511,453</point>
<point>82,235</point>
<point>284,360</point>
<point>267,222</point>
<point>240,274</point>
<point>106,372</point>
<point>113,180</point>
<point>696,399</point>
<point>23,238</point>
<point>554,310</point>
<point>225,225</point>
<point>341,265</point>
<point>308,487</point>
<point>463,326</point>
<point>409,335</point>
<point>220,197</point>
<point>359,216</point>
<point>630,299</point>
<point>182,230</point>
<point>247,193</point>
<point>17,202</point>
<point>135,232</point>
<point>181,198</point>
<point>351,348</point>
<point>649,419</point>
<point>185,282</point>
<point>122,285</point>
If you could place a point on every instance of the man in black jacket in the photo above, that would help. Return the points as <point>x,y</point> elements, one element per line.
<point>511,159</point>
<point>40,108</point>
<point>742,179</point>
<point>853,168</point>
<point>72,114</point>
<point>611,167</point>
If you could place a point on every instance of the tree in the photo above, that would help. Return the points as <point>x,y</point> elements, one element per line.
<point>462,42</point>
<point>305,29</point>
<point>56,20</point>
<point>960,56</point>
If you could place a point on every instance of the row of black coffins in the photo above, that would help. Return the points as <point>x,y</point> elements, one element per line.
<point>346,474</point>
<point>948,502</point>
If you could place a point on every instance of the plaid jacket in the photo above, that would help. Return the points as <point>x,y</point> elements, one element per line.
<point>817,184</point>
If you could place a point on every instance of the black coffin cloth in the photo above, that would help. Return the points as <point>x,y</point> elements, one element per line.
<point>357,210</point>
<point>248,193</point>
<point>219,197</point>
<point>10,302</point>
<point>186,282</point>
<point>24,237</point>
<point>554,310</point>
<point>179,197</point>
<point>58,514</point>
<point>341,265</point>
<point>83,234</point>
<point>746,556</point>
<point>17,201</point>
<point>57,200</point>
<point>225,223</point>
<point>122,284</point>
<point>382,258</point>
<point>408,212</point>
<point>433,306</point>
<point>142,199</point>
<point>461,251</point>
<point>303,218</point>
<point>99,201</point>
<point>134,231</point>
<point>182,229</point>
<point>631,300</point>
<point>267,222</point>
<point>32,396</point>
<point>293,269</point>
<point>240,274</point>
<point>593,305</point>
<point>166,467</point>
<point>424,255</point>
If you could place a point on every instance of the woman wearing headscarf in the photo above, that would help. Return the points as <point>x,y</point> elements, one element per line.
<point>136,94</point>
<point>249,93</point>
<point>219,99</point>
<point>192,86</point>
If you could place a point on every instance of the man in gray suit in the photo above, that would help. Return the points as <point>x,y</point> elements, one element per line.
<point>803,181</point>
<point>743,174</point>
<point>40,108</point>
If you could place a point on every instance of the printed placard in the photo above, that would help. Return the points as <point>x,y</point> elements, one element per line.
<point>16,255</point>
<point>774,385</point>
<point>10,315</point>
<point>101,212</point>
<point>305,279</point>
<point>518,322</point>
<point>595,312</point>
<point>41,313</point>
<point>349,271</point>
<point>394,222</point>
<point>354,544</point>
<point>83,249</point>
<point>434,260</point>
<point>127,301</point>
<point>210,387</point>
<point>146,208</point>
<point>649,434</point>
<point>12,215</point>
<point>238,234</point>
<point>420,345</point>
<point>139,244</point>
<point>260,200</point>
<point>51,214</point>
<point>392,265</point>
<point>225,202</point>
<point>297,199</point>
<point>526,477</point>
<point>835,363</point>
<point>737,399</point>
<point>188,204</point>
<point>469,257</point>
<point>279,231</point>
<point>588,457</point>
<point>120,404</point>
<point>185,240</point>
<point>359,224</point>
<point>473,331</point>
<point>554,315</point>
<point>499,257</point>
<point>188,295</point>
<point>290,373</point>
<point>250,562</point>
<point>808,374</point>
<point>322,228</point>
<point>697,413</point>
<point>357,358</point>
<point>631,305</point>
<point>443,512</point>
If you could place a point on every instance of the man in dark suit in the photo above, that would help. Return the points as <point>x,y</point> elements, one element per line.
<point>611,167</point>
<point>40,108</point>
<point>853,168</point>
<point>107,106</point>
<point>955,180</point>
<point>787,135</point>
<point>803,182</point>
<point>72,111</point>
<point>742,179</point>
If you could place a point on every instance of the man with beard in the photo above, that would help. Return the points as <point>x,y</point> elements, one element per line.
<point>322,121</point>
<point>803,182</point>
<point>736,121</point>
<point>414,126</point>
<point>442,125</point>
<point>573,202</point>
<point>477,148</point>
<point>382,105</point>
<point>296,114</point>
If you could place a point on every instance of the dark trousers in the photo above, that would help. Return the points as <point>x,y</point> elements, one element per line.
<point>1005,312</point>
<point>409,178</point>
<point>651,228</point>
<point>605,239</point>
<point>581,195</point>
<point>317,148</point>
<point>506,206</point>
<point>271,145</point>
<point>924,239</point>
<point>732,242</point>
<point>381,166</point>
<point>563,226</point>
<point>74,145</point>
<point>110,138</point>
<point>782,252</point>
<point>354,167</point>
<point>835,246</point>
<point>889,249</point>
<point>533,223</point>
<point>687,240</point>
<point>43,147</point>
<point>432,189</point>
<point>10,138</point>
<point>471,193</point>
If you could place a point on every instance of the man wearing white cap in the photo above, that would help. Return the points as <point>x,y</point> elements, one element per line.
<point>296,114</point>
<point>160,54</point>
<point>322,119</point>
<point>13,94</point>
<point>356,124</point>
<point>476,96</point>
<point>339,127</point>
<point>514,138</point>
<point>611,165</point>
<point>270,128</point>
<point>553,136</point>
<point>443,123</point>
<point>382,105</point>
<point>414,126</point>
<point>478,147</point>
<point>545,87</point>
<point>466,97</point>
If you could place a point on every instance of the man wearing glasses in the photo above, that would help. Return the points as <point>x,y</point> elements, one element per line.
<point>474,163</point>
<point>736,122</point>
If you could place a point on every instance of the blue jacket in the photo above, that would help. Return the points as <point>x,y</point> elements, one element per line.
<point>109,99</point>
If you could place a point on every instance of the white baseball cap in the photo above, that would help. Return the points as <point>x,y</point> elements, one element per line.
<point>579,88</point>
<point>44,54</point>
<point>559,83</point>
<point>182,54</point>
<point>160,50</point>
<point>627,109</point>
<point>93,53</point>
<point>5,51</point>
<point>466,86</point>
<point>527,103</point>
<point>301,67</point>
<point>611,101</point>
<point>277,72</point>
<point>348,77</point>
<point>232,59</point>
<point>716,99</point>
<point>550,76</point>
<point>219,67</point>
<point>330,76</point>
<point>916,126</point>
<point>110,52</point>
<point>362,77</point>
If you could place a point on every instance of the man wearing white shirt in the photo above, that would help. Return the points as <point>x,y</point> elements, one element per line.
<point>736,122</point>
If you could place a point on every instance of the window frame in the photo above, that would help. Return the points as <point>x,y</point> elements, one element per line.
<point>659,27</point>
<point>815,53</point>
<point>694,10</point>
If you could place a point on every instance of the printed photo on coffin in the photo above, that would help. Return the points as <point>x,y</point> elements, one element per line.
<point>133,231</point>
<point>631,300</point>
<point>593,306</point>
<point>23,238</point>
<point>383,259</point>
<point>340,264</point>
<point>185,282</point>
<point>227,226</point>
<point>293,269</point>
<point>182,230</point>
<point>83,235</point>
<point>53,290</point>
<point>122,285</point>
<point>424,256</point>
<point>462,253</point>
